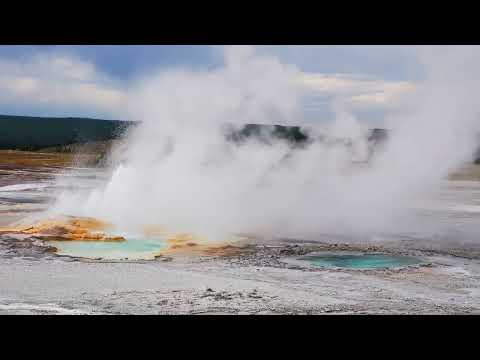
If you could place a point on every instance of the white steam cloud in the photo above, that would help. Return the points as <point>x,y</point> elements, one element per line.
<point>179,172</point>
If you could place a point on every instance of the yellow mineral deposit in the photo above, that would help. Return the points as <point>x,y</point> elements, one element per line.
<point>190,244</point>
<point>89,229</point>
<point>70,229</point>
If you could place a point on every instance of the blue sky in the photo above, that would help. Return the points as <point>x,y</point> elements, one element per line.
<point>389,62</point>
<point>38,80</point>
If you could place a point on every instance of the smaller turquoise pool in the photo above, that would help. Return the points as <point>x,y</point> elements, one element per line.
<point>360,261</point>
<point>131,249</point>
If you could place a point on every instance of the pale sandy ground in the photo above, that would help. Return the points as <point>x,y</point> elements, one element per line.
<point>451,285</point>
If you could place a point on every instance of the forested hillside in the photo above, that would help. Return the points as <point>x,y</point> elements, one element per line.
<point>33,133</point>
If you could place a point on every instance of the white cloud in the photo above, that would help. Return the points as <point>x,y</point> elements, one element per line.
<point>53,80</point>
<point>56,79</point>
<point>359,92</point>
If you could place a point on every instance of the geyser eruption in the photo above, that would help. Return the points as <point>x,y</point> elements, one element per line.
<point>179,171</point>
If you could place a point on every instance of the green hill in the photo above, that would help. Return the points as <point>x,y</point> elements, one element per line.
<point>33,133</point>
<point>95,135</point>
<point>292,134</point>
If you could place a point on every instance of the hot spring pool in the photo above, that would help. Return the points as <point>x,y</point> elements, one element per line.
<point>360,261</point>
<point>131,249</point>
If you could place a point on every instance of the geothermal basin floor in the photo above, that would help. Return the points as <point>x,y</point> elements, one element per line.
<point>269,279</point>
<point>259,283</point>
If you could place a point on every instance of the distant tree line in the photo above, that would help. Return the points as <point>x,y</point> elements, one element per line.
<point>61,134</point>
<point>64,134</point>
<point>34,133</point>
